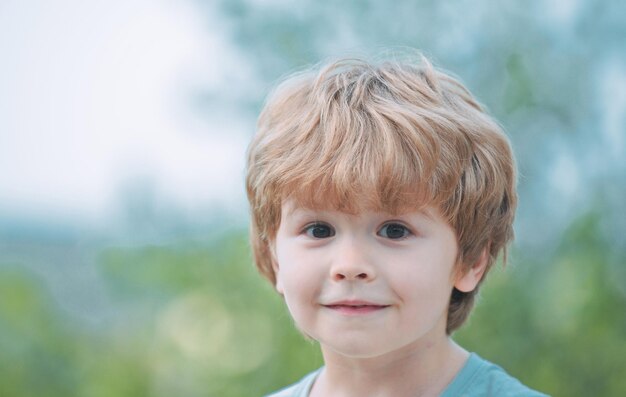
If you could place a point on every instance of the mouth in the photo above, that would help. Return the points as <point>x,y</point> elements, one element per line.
<point>352,308</point>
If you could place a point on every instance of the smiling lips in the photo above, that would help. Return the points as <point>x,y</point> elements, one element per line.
<point>355,308</point>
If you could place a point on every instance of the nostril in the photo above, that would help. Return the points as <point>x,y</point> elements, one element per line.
<point>347,276</point>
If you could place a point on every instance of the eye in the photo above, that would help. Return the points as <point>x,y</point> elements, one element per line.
<point>394,231</point>
<point>319,230</point>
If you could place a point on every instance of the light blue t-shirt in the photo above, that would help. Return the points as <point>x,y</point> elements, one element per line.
<point>477,378</point>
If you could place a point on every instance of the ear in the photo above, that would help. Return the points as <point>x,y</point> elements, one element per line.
<point>278,285</point>
<point>466,282</point>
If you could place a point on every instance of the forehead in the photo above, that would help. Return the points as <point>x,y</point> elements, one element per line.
<point>293,209</point>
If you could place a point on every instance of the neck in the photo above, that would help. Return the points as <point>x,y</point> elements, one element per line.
<point>417,371</point>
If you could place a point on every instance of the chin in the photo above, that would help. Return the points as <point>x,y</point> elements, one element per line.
<point>356,349</point>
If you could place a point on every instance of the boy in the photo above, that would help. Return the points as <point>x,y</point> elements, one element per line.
<point>381,195</point>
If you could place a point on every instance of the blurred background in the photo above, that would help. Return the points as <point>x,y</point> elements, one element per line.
<point>124,263</point>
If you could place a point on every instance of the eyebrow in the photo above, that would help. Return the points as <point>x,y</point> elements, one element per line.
<point>427,213</point>
<point>303,211</point>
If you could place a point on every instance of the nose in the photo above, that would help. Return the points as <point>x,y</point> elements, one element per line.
<point>351,263</point>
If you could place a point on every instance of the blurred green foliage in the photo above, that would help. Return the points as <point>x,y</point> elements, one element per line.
<point>559,323</point>
<point>189,320</point>
<point>197,320</point>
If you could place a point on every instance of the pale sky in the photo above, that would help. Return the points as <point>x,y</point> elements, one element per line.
<point>96,97</point>
<point>97,94</point>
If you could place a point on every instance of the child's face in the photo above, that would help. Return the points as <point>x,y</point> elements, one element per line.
<point>368,284</point>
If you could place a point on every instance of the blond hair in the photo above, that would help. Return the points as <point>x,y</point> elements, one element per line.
<point>392,136</point>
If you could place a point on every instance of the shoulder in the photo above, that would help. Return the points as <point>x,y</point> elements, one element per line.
<point>498,382</point>
<point>480,377</point>
<point>298,389</point>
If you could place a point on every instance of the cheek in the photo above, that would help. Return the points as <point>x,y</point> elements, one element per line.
<point>296,270</point>
<point>427,280</point>
<point>419,288</point>
<point>425,300</point>
<point>300,286</point>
